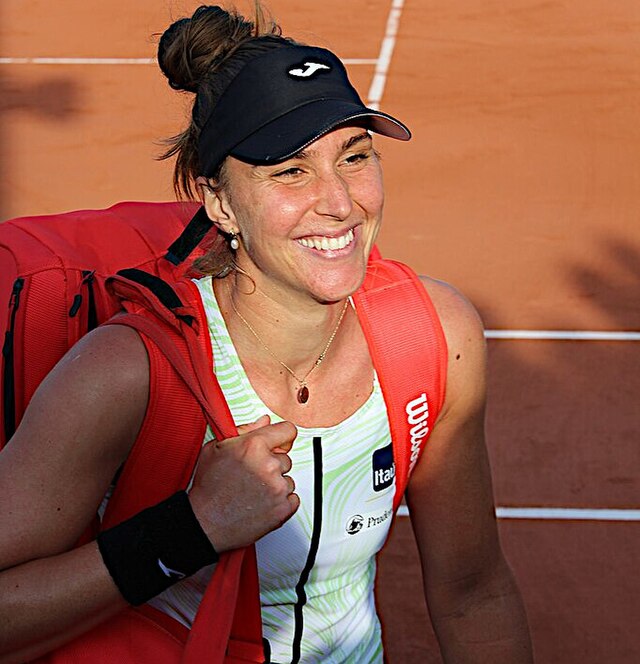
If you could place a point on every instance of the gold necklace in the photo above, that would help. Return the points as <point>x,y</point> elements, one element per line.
<point>302,393</point>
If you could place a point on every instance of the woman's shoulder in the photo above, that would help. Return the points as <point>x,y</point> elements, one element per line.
<point>102,386</point>
<point>104,377</point>
<point>76,431</point>
<point>111,355</point>
<point>466,346</point>
<point>458,316</point>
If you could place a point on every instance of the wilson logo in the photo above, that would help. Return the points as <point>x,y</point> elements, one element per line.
<point>308,70</point>
<point>418,419</point>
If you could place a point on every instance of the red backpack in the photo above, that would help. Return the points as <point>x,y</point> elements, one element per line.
<point>397,316</point>
<point>52,274</point>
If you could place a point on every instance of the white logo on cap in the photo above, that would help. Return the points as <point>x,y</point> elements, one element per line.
<point>311,69</point>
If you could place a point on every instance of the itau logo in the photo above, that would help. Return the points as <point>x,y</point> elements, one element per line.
<point>308,70</point>
<point>384,469</point>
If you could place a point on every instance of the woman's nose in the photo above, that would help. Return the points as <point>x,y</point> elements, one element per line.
<point>333,197</point>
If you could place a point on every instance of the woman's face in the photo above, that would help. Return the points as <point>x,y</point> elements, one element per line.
<point>307,225</point>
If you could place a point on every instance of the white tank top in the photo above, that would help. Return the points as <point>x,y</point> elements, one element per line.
<point>316,571</point>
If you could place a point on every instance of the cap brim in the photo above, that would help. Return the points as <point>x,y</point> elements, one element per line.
<point>285,136</point>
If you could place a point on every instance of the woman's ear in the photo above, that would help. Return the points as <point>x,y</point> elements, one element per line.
<point>216,203</point>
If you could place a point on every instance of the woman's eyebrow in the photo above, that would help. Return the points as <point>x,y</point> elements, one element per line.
<point>349,143</point>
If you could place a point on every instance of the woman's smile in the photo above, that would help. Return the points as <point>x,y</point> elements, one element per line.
<point>328,244</point>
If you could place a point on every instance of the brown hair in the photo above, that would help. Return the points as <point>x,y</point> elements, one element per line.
<point>201,55</point>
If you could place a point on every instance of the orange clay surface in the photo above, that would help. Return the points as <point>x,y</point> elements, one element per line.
<point>521,187</point>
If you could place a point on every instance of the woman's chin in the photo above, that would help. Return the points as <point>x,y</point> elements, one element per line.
<point>333,288</point>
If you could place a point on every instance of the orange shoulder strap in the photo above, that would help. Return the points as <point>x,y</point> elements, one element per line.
<point>409,353</point>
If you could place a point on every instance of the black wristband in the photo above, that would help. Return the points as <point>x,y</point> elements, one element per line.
<point>156,548</point>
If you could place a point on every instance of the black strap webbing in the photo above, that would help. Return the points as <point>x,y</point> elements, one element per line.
<point>190,237</point>
<point>160,288</point>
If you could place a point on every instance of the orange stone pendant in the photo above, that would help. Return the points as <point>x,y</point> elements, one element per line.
<point>303,394</point>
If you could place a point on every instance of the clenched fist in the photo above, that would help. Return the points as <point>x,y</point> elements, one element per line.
<point>241,490</point>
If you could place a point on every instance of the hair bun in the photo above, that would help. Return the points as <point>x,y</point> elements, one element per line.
<point>170,42</point>
<point>191,47</point>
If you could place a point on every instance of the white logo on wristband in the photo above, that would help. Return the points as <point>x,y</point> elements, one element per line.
<point>171,573</point>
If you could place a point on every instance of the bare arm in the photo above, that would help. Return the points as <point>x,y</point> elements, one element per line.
<point>54,472</point>
<point>475,606</point>
<point>77,431</point>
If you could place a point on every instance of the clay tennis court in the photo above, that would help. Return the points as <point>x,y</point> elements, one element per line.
<point>521,187</point>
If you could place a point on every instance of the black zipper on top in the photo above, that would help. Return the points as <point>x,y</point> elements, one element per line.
<point>8,379</point>
<point>75,305</point>
<point>92,314</point>
<point>313,550</point>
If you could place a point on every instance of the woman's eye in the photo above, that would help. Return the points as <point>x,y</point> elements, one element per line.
<point>288,172</point>
<point>356,158</point>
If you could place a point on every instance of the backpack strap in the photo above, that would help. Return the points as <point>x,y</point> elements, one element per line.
<point>172,320</point>
<point>169,441</point>
<point>190,237</point>
<point>409,353</point>
<point>173,462</point>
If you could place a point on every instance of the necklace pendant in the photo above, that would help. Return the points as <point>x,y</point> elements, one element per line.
<point>303,394</point>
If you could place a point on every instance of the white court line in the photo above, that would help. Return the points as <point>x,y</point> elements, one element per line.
<point>557,513</point>
<point>559,335</point>
<point>567,514</point>
<point>77,61</point>
<point>384,58</point>
<point>128,61</point>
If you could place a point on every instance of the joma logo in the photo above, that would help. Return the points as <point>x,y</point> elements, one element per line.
<point>308,69</point>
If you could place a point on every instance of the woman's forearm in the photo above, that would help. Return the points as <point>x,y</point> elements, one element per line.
<point>47,602</point>
<point>483,623</point>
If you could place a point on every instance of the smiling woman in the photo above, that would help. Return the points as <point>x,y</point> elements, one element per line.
<point>306,225</point>
<point>279,151</point>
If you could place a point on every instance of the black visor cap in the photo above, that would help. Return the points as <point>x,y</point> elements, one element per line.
<point>282,101</point>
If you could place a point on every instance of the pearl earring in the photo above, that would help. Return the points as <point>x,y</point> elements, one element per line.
<point>234,243</point>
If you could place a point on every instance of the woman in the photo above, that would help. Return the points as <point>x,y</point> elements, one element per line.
<point>280,152</point>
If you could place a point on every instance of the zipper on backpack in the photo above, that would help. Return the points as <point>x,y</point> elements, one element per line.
<point>92,313</point>
<point>8,378</point>
<point>75,305</point>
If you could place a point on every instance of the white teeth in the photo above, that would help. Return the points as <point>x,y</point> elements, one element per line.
<point>328,243</point>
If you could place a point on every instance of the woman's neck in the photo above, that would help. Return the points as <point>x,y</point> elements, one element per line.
<point>293,330</point>
<point>296,335</point>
